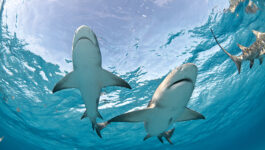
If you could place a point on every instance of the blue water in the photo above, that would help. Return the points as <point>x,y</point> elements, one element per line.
<point>34,118</point>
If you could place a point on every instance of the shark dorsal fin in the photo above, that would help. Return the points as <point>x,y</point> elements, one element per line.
<point>243,48</point>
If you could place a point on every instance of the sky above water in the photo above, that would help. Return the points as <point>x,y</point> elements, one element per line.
<point>140,24</point>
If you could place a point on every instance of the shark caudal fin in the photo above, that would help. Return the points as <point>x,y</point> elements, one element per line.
<point>236,59</point>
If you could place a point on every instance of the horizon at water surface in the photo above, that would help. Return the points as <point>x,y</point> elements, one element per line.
<point>141,41</point>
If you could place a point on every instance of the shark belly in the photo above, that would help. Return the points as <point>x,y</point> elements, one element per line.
<point>163,119</point>
<point>90,90</point>
<point>173,98</point>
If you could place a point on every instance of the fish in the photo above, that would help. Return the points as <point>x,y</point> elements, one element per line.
<point>167,106</point>
<point>255,51</point>
<point>88,75</point>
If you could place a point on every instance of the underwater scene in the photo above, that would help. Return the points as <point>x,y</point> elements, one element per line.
<point>141,74</point>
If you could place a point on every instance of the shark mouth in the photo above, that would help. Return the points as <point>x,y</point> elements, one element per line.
<point>182,80</point>
<point>83,38</point>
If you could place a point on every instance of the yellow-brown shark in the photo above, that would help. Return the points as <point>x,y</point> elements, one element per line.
<point>255,51</point>
<point>250,8</point>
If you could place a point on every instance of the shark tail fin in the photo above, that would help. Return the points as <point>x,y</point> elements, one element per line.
<point>237,60</point>
<point>101,126</point>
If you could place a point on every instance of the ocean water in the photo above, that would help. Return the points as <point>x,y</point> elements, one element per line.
<point>141,41</point>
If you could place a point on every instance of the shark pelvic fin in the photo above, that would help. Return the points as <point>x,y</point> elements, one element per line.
<point>147,137</point>
<point>93,125</point>
<point>189,114</point>
<point>251,63</point>
<point>260,60</point>
<point>99,115</point>
<point>84,115</point>
<point>236,59</point>
<point>67,82</point>
<point>110,79</point>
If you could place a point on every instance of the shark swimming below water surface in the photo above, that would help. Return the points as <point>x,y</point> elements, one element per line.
<point>255,51</point>
<point>167,106</point>
<point>250,8</point>
<point>88,76</point>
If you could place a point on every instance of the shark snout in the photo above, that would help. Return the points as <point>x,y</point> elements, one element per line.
<point>84,32</point>
<point>190,71</point>
<point>187,72</point>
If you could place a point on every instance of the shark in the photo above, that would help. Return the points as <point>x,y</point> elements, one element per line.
<point>88,75</point>
<point>234,4</point>
<point>250,8</point>
<point>255,51</point>
<point>167,106</point>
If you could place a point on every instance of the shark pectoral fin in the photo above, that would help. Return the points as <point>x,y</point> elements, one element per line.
<point>134,116</point>
<point>110,79</point>
<point>68,81</point>
<point>256,33</point>
<point>251,63</point>
<point>260,60</point>
<point>189,114</point>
